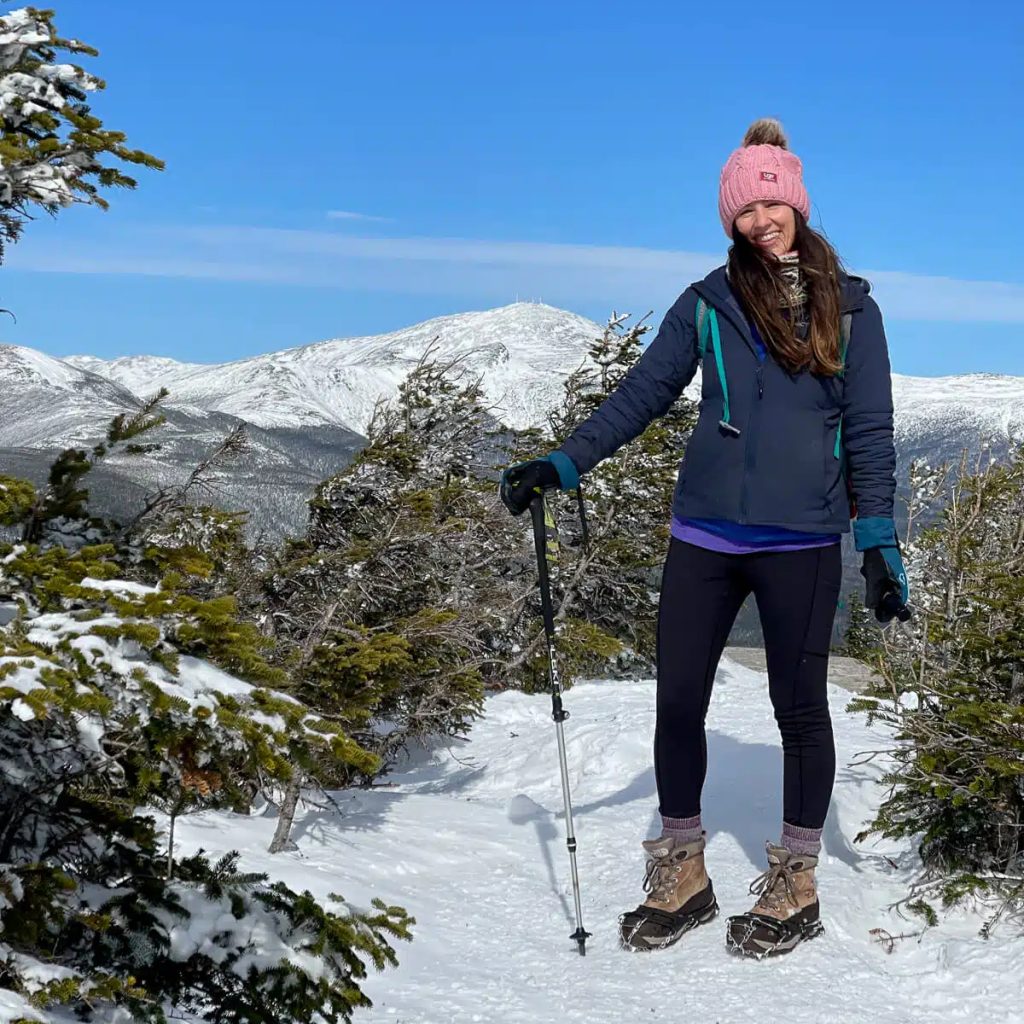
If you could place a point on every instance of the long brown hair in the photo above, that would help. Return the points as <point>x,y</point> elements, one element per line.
<point>763,292</point>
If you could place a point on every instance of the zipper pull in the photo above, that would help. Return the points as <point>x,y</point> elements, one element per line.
<point>760,382</point>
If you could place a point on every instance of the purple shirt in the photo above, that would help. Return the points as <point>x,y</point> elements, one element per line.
<point>746,538</point>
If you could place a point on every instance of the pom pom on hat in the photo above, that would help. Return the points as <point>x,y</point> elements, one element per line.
<point>766,132</point>
<point>762,169</point>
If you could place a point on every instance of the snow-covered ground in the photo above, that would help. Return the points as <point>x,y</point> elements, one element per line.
<point>470,839</point>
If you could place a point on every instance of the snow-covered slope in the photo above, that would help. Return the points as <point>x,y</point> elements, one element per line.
<point>522,352</point>
<point>936,417</point>
<point>42,398</point>
<point>471,841</point>
<point>141,374</point>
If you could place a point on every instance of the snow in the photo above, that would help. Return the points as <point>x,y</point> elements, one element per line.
<point>118,586</point>
<point>49,629</point>
<point>24,679</point>
<point>22,364</point>
<point>471,841</point>
<point>46,180</point>
<point>21,710</point>
<point>469,837</point>
<point>14,1007</point>
<point>142,375</point>
<point>198,682</point>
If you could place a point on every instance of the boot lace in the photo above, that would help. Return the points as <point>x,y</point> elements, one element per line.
<point>660,877</point>
<point>775,886</point>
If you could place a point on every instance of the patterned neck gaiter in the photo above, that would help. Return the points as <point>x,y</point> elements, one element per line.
<point>795,287</point>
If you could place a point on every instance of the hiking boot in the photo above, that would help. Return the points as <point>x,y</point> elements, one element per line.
<point>786,911</point>
<point>680,895</point>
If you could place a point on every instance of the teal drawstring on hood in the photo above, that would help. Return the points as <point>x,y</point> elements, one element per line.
<point>707,318</point>
<point>707,325</point>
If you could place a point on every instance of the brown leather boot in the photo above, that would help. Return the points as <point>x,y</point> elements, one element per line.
<point>786,911</point>
<point>680,895</point>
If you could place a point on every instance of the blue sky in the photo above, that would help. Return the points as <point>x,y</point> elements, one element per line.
<point>344,168</point>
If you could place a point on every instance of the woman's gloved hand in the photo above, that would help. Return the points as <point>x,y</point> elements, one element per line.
<point>887,591</point>
<point>521,483</point>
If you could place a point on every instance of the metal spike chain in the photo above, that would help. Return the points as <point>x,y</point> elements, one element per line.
<point>742,946</point>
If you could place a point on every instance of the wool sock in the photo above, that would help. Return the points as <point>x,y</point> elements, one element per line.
<point>686,830</point>
<point>806,841</point>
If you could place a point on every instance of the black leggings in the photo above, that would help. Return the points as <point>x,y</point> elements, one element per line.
<point>701,594</point>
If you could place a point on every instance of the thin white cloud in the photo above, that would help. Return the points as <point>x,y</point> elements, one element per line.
<point>352,215</point>
<point>905,296</point>
<point>473,269</point>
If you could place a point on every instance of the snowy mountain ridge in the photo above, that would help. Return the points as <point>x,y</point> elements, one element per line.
<point>43,399</point>
<point>522,352</point>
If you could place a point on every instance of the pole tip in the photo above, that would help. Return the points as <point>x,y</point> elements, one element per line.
<point>580,937</point>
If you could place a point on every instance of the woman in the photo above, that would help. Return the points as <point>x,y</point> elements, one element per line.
<point>795,419</point>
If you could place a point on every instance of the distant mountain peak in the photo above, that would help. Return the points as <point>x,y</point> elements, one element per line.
<point>521,351</point>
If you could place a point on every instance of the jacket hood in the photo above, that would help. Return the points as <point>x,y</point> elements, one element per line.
<point>715,288</point>
<point>854,290</point>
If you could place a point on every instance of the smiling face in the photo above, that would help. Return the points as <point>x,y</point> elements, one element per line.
<point>770,225</point>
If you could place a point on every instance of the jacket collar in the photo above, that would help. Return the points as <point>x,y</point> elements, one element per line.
<point>715,290</point>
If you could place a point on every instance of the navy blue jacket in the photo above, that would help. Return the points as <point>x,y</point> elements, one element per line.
<point>781,469</point>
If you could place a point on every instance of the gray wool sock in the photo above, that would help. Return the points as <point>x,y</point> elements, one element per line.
<point>686,830</point>
<point>803,841</point>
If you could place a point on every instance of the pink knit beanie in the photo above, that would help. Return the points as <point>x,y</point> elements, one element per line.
<point>761,169</point>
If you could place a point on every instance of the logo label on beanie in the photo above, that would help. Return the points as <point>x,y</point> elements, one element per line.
<point>769,176</point>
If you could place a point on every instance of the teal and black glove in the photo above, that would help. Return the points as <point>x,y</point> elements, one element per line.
<point>521,483</point>
<point>887,591</point>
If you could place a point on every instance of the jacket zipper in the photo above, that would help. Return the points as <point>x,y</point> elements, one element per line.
<point>751,432</point>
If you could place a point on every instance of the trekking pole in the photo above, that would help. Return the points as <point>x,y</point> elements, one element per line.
<point>546,539</point>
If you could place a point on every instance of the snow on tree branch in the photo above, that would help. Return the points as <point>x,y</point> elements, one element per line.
<point>51,143</point>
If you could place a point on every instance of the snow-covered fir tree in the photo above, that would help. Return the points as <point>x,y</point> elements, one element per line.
<point>862,637</point>
<point>952,690</point>
<point>126,701</point>
<point>53,148</point>
<point>385,610</point>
